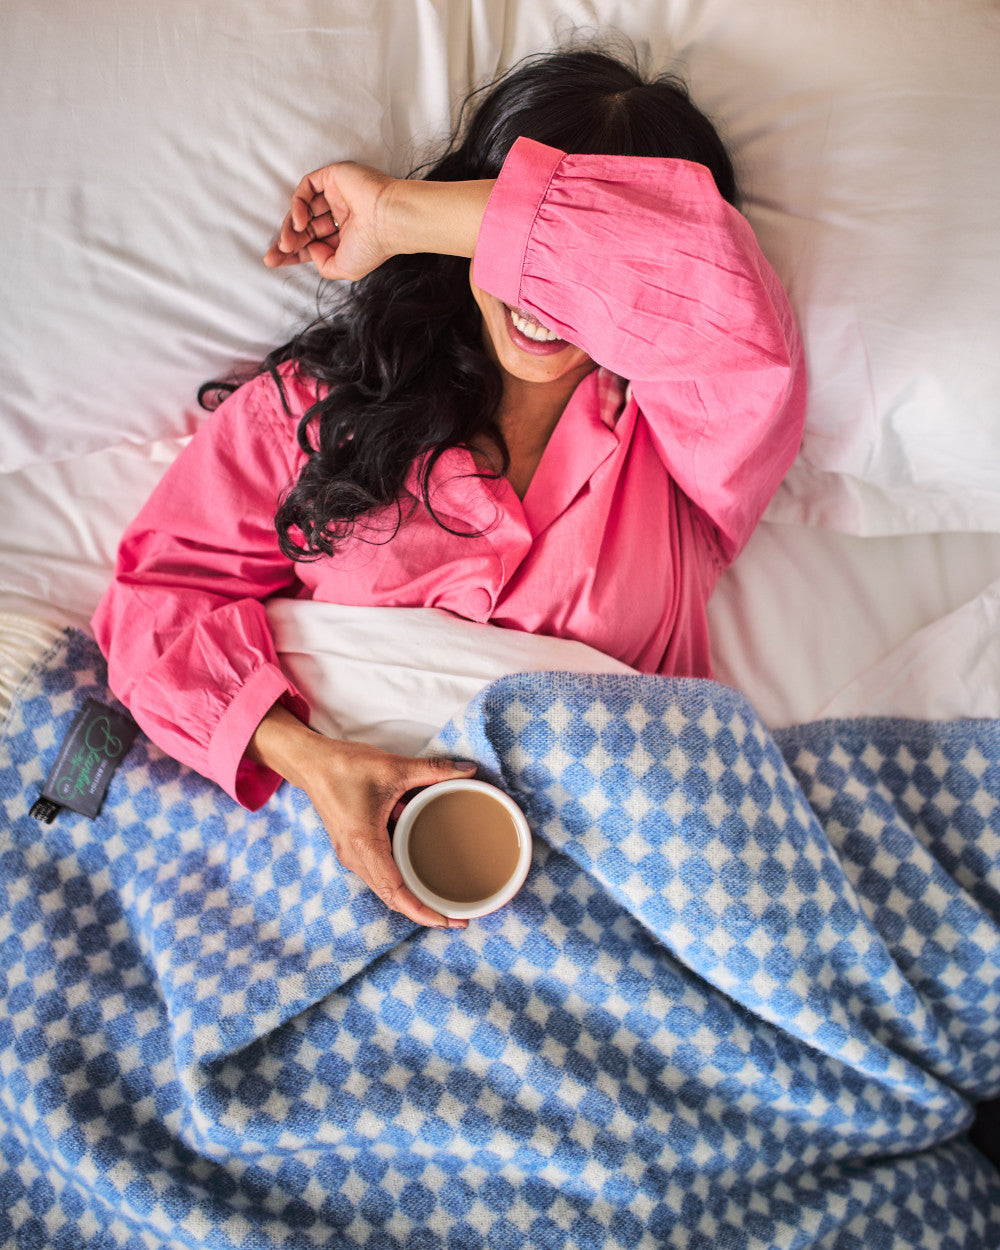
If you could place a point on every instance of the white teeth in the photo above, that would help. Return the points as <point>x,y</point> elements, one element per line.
<point>531,329</point>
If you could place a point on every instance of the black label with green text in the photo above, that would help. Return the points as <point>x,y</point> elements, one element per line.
<point>97,742</point>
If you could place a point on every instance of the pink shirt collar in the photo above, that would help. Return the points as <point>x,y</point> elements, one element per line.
<point>585,436</point>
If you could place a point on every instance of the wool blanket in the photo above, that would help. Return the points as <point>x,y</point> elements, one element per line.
<point>747,997</point>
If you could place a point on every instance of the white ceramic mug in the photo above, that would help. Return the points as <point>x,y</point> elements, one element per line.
<point>451,907</point>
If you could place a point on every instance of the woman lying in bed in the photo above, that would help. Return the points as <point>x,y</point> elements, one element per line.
<point>572,438</point>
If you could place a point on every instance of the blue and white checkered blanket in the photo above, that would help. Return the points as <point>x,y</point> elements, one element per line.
<point>746,999</point>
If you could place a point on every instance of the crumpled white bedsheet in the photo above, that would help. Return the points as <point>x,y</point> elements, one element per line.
<point>394,676</point>
<point>949,670</point>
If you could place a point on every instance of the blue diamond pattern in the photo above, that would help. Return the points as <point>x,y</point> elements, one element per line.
<point>747,997</point>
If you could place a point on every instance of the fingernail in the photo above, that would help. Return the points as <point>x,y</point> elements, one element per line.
<point>458,924</point>
<point>465,763</point>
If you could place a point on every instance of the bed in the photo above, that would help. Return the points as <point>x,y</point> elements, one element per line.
<point>207,1036</point>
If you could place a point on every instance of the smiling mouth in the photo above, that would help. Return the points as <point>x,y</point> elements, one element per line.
<point>529,335</point>
<point>529,326</point>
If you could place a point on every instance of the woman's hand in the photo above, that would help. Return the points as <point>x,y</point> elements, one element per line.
<point>356,789</point>
<point>347,219</point>
<point>336,221</point>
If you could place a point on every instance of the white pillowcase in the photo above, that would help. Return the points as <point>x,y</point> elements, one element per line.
<point>865,135</point>
<point>152,153</point>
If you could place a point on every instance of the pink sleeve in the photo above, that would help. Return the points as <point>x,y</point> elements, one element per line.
<point>644,265</point>
<point>182,625</point>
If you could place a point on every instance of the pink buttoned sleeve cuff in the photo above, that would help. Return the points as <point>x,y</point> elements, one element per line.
<point>510,214</point>
<point>250,784</point>
<point>183,626</point>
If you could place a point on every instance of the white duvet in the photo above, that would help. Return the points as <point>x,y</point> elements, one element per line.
<point>394,676</point>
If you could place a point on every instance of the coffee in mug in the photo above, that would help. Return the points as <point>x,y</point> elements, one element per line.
<point>463,847</point>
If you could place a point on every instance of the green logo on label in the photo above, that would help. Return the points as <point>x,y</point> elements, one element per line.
<point>87,764</point>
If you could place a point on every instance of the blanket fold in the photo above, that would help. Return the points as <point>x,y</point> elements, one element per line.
<point>747,996</point>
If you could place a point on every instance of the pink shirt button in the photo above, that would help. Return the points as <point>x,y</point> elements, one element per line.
<point>479,604</point>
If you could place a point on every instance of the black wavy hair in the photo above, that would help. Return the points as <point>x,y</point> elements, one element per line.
<point>400,358</point>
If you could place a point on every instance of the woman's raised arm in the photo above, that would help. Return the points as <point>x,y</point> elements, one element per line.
<point>348,218</point>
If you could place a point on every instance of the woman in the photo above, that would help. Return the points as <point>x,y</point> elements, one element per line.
<point>573,437</point>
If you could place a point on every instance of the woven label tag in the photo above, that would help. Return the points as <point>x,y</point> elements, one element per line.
<point>97,742</point>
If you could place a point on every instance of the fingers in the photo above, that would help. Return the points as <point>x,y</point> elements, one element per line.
<point>309,221</point>
<point>314,189</point>
<point>372,853</point>
<point>370,858</point>
<point>274,257</point>
<point>314,216</point>
<point>426,770</point>
<point>373,863</point>
<point>358,790</point>
<point>317,251</point>
<point>418,773</point>
<point>299,229</point>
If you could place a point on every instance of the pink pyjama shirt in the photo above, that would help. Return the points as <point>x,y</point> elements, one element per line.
<point>647,489</point>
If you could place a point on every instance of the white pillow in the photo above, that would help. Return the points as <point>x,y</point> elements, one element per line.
<point>865,135</point>
<point>152,155</point>
<point>152,150</point>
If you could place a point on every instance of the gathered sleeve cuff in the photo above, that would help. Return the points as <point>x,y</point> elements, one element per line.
<point>249,783</point>
<point>211,734</point>
<point>510,213</point>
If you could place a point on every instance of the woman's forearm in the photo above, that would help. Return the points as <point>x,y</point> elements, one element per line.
<point>440,217</point>
<point>280,742</point>
<point>347,219</point>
